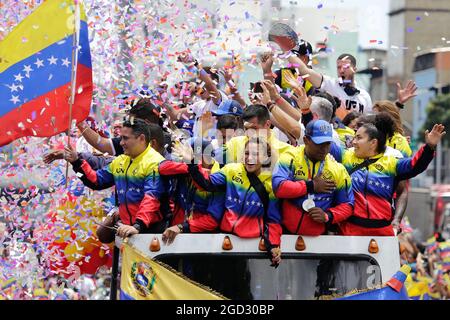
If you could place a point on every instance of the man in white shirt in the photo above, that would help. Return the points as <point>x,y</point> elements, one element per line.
<point>353,97</point>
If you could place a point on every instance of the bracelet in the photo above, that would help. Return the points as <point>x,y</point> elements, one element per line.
<point>270,106</point>
<point>305,111</point>
<point>180,226</point>
<point>399,104</point>
<point>277,101</point>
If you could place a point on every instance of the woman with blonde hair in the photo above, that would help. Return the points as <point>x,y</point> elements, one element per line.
<point>397,140</point>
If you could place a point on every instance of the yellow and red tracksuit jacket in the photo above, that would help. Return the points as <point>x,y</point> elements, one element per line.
<point>244,214</point>
<point>138,184</point>
<point>374,186</point>
<point>207,207</point>
<point>291,182</point>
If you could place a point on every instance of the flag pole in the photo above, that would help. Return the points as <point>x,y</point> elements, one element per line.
<point>73,76</point>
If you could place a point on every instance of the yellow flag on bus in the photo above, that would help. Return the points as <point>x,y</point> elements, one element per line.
<point>143,278</point>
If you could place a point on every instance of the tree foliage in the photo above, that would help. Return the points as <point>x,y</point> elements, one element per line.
<point>438,111</point>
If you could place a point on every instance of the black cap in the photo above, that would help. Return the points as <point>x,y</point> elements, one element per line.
<point>303,48</point>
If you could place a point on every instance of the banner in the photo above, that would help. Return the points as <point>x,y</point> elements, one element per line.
<point>143,278</point>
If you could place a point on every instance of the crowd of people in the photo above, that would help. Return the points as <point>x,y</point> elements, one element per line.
<point>310,155</point>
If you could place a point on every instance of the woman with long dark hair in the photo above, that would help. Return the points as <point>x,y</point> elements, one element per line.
<point>375,175</point>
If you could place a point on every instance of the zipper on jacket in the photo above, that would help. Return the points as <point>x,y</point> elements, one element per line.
<point>300,222</point>
<point>261,233</point>
<point>365,192</point>
<point>240,211</point>
<point>126,190</point>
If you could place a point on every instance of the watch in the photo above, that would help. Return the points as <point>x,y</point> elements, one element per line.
<point>180,226</point>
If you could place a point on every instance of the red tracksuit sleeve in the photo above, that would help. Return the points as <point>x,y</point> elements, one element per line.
<point>291,189</point>
<point>283,186</point>
<point>341,212</point>
<point>170,168</point>
<point>96,180</point>
<point>148,211</point>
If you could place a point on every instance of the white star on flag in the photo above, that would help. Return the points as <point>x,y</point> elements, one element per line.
<point>52,60</point>
<point>27,69</point>
<point>39,63</point>
<point>13,88</point>
<point>14,99</point>
<point>66,62</point>
<point>18,77</point>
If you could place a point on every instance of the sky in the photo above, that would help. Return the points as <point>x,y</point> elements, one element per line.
<point>372,20</point>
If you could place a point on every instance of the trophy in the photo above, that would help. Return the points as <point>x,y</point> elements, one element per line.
<point>284,36</point>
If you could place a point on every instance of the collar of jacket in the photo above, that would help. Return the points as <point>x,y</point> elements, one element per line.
<point>139,157</point>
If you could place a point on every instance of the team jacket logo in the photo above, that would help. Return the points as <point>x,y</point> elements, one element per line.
<point>379,167</point>
<point>144,278</point>
<point>238,178</point>
<point>120,170</point>
<point>326,175</point>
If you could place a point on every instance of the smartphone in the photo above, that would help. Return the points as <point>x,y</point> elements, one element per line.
<point>256,87</point>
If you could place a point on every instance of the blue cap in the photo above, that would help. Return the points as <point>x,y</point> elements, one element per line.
<point>319,131</point>
<point>199,145</point>
<point>229,107</point>
<point>186,124</point>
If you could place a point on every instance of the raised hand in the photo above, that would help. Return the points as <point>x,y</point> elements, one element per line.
<point>403,95</point>
<point>323,186</point>
<point>183,151</point>
<point>291,80</point>
<point>70,155</point>
<point>227,74</point>
<point>434,137</point>
<point>53,155</point>
<point>303,101</point>
<point>274,95</point>
<point>267,62</point>
<point>265,99</point>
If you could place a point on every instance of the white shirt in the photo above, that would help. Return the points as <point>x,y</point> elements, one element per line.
<point>201,107</point>
<point>393,152</point>
<point>360,102</point>
<point>284,138</point>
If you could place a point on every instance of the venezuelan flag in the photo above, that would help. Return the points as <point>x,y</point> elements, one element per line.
<point>145,279</point>
<point>37,65</point>
<point>394,289</point>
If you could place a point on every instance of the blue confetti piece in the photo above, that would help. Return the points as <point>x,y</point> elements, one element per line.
<point>410,30</point>
<point>247,15</point>
<point>320,6</point>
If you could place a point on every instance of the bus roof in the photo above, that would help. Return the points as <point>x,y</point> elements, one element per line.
<point>387,256</point>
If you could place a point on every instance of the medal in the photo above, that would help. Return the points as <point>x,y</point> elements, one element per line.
<point>308,204</point>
